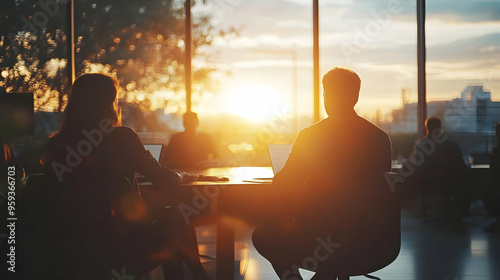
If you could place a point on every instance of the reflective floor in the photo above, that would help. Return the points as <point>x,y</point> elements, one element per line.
<point>429,251</point>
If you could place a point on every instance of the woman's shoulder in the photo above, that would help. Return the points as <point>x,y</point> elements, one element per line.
<point>124,132</point>
<point>124,137</point>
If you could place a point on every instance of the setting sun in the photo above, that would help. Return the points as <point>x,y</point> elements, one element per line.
<point>255,102</point>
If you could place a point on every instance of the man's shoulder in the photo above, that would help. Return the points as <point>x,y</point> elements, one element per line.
<point>440,144</point>
<point>177,135</point>
<point>372,128</point>
<point>366,128</point>
<point>316,126</point>
<point>358,123</point>
<point>204,135</point>
<point>452,145</point>
<point>376,134</point>
<point>315,130</point>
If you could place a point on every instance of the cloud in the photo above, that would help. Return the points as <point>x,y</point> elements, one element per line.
<point>457,11</point>
<point>472,50</point>
<point>294,24</point>
<point>266,15</point>
<point>465,11</point>
<point>266,41</point>
<point>480,52</point>
<point>463,44</point>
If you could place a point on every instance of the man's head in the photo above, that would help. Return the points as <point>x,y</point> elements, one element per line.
<point>431,124</point>
<point>340,90</point>
<point>191,121</point>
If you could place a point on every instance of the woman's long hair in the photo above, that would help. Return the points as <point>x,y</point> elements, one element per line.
<point>4,154</point>
<point>93,97</point>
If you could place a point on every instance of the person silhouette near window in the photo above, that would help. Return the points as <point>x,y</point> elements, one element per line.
<point>331,190</point>
<point>191,149</point>
<point>493,194</point>
<point>441,172</point>
<point>93,161</point>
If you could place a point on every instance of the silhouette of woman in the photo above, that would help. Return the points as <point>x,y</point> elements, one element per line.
<point>492,195</point>
<point>107,225</point>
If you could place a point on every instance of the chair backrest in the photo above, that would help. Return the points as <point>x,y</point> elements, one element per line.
<point>40,230</point>
<point>392,244</point>
<point>381,245</point>
<point>51,249</point>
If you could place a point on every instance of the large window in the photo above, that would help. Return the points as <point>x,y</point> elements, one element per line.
<point>462,62</point>
<point>252,65</point>
<point>33,67</point>
<point>377,40</point>
<point>33,54</point>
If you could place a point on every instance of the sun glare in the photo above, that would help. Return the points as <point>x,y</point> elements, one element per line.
<point>255,102</point>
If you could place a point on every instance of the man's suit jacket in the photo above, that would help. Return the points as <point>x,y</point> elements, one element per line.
<point>335,174</point>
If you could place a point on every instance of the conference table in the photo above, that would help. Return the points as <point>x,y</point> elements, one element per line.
<point>231,201</point>
<point>241,195</point>
<point>238,197</point>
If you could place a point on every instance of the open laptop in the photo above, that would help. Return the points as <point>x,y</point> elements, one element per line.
<point>155,150</point>
<point>279,156</point>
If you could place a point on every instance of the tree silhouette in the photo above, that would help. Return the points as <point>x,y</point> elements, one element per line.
<point>141,42</point>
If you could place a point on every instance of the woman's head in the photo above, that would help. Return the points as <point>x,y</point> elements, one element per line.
<point>93,97</point>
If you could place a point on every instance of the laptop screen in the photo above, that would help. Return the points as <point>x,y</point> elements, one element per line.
<point>279,156</point>
<point>155,150</point>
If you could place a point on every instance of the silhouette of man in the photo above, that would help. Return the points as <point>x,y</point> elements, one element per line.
<point>191,149</point>
<point>492,196</point>
<point>442,170</point>
<point>495,154</point>
<point>334,177</point>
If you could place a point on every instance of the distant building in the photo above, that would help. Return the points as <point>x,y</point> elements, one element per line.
<point>473,112</point>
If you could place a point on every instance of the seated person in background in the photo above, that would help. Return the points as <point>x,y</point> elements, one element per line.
<point>493,194</point>
<point>335,178</point>
<point>441,170</point>
<point>190,149</point>
<point>92,161</point>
